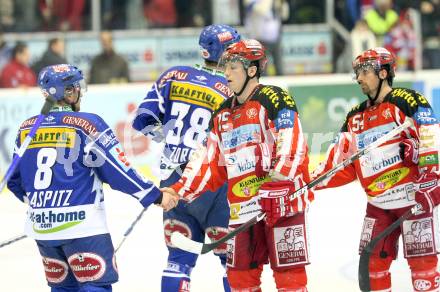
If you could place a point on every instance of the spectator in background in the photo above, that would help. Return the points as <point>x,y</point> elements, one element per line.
<point>108,67</point>
<point>62,15</point>
<point>160,13</point>
<point>52,56</point>
<point>6,15</point>
<point>362,38</point>
<point>5,52</point>
<point>263,23</point>
<point>381,19</point>
<point>17,72</point>
<point>430,16</point>
<point>402,41</point>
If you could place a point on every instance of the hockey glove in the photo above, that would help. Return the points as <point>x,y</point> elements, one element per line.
<point>409,152</point>
<point>262,160</point>
<point>275,201</point>
<point>428,193</point>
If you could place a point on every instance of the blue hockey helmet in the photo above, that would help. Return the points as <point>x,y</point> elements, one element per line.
<point>56,79</point>
<point>215,38</point>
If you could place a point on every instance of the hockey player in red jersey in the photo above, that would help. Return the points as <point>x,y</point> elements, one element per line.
<point>256,144</point>
<point>397,175</point>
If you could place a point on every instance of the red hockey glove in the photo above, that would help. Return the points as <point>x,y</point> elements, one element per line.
<point>428,194</point>
<point>275,201</point>
<point>262,160</point>
<point>409,152</point>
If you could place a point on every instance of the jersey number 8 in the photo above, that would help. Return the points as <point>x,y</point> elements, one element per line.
<point>46,158</point>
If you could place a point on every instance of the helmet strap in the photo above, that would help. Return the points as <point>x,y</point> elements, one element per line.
<point>74,105</point>
<point>373,100</point>
<point>248,78</point>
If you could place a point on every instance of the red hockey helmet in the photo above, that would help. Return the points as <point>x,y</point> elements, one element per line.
<point>378,59</point>
<point>248,52</point>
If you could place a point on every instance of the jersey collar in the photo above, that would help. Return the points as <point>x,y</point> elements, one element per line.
<point>61,108</point>
<point>209,70</point>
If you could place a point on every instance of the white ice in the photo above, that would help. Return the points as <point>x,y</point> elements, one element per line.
<point>335,221</point>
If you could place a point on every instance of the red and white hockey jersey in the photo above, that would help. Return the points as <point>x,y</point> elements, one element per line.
<point>386,181</point>
<point>268,117</point>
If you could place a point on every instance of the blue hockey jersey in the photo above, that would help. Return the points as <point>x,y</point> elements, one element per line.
<point>60,175</point>
<point>181,102</point>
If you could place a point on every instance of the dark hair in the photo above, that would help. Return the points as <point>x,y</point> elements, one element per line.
<point>53,41</point>
<point>18,49</point>
<point>256,64</point>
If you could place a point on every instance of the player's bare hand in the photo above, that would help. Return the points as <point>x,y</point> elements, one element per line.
<point>170,199</point>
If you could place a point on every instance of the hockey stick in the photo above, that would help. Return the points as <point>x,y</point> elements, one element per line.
<point>130,229</point>
<point>12,240</point>
<point>181,241</point>
<point>44,111</point>
<point>364,260</point>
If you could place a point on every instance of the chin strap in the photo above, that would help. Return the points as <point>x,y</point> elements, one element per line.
<point>245,84</point>
<point>73,104</point>
<point>377,93</point>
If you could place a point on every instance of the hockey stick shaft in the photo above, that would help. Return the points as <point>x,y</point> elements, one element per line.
<point>12,240</point>
<point>364,259</point>
<point>44,111</point>
<point>193,246</point>
<point>130,229</point>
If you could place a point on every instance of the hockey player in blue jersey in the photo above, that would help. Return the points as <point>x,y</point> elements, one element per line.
<point>182,101</point>
<point>60,177</point>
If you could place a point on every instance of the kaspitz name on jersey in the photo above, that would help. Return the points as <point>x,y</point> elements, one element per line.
<point>45,199</point>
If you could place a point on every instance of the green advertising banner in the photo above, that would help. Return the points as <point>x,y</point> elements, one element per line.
<point>323,109</point>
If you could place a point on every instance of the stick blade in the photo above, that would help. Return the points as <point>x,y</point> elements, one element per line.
<point>363,271</point>
<point>181,241</point>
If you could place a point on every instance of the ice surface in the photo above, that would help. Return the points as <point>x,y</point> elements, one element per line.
<point>335,222</point>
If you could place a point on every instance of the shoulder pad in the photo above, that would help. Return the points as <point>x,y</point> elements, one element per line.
<point>274,98</point>
<point>407,100</point>
<point>174,73</point>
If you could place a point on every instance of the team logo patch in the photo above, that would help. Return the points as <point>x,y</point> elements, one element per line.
<point>290,245</point>
<point>56,270</point>
<point>251,113</point>
<point>171,226</point>
<point>386,114</point>
<point>367,231</point>
<point>418,237</point>
<point>87,266</point>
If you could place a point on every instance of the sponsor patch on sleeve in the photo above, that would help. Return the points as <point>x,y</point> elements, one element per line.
<point>428,159</point>
<point>285,119</point>
<point>425,116</point>
<point>119,155</point>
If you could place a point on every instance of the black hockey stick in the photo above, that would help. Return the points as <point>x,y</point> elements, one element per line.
<point>181,241</point>
<point>364,260</point>
<point>19,153</point>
